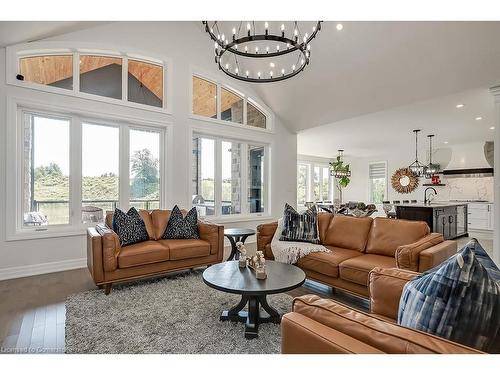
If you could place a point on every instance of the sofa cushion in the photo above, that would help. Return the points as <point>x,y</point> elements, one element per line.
<point>148,221</point>
<point>160,220</point>
<point>324,219</point>
<point>327,263</point>
<point>184,249</point>
<point>348,232</point>
<point>356,270</point>
<point>458,300</point>
<point>146,252</point>
<point>386,235</point>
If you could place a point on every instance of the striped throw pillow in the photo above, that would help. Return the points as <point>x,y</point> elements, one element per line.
<point>301,227</point>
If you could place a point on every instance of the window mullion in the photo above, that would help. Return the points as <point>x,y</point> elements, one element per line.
<point>245,104</point>
<point>244,178</point>
<point>320,184</point>
<point>218,177</point>
<point>75,174</point>
<point>266,183</point>
<point>163,169</point>
<point>125,78</point>
<point>76,72</point>
<point>218,102</point>
<point>124,178</point>
<point>309,183</point>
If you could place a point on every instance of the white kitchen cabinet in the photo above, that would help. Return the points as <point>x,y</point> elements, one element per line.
<point>490,216</point>
<point>480,216</point>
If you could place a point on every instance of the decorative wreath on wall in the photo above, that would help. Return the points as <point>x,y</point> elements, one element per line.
<point>404,181</point>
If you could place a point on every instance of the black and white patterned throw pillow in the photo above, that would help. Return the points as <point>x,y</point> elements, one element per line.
<point>180,227</point>
<point>129,227</point>
<point>301,227</point>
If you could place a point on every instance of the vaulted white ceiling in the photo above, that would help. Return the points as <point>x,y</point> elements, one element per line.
<point>14,32</point>
<point>373,66</point>
<point>366,68</point>
<point>390,131</point>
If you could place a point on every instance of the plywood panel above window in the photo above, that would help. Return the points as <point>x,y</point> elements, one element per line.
<point>204,98</point>
<point>55,70</point>
<point>231,107</point>
<point>100,74</point>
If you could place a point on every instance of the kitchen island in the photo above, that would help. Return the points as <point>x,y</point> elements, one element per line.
<point>448,218</point>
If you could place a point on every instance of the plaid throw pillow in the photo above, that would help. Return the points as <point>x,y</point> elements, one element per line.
<point>458,300</point>
<point>300,227</point>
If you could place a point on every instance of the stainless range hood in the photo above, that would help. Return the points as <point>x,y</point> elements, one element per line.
<point>471,160</point>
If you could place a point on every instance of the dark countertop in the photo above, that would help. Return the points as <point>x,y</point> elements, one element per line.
<point>432,205</point>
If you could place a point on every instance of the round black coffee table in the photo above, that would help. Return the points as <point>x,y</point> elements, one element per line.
<point>235,235</point>
<point>229,277</point>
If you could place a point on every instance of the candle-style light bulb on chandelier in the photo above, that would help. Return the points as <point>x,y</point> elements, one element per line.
<point>262,41</point>
<point>431,169</point>
<point>417,168</point>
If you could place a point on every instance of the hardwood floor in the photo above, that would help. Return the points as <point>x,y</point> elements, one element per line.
<point>32,310</point>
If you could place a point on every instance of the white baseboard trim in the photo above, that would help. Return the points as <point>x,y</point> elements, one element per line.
<point>41,268</point>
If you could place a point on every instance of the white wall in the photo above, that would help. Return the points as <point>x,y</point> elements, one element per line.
<point>186,44</point>
<point>456,188</point>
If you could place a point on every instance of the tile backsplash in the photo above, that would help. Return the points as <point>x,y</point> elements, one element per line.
<point>467,188</point>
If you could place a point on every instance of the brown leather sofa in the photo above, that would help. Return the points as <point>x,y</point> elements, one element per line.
<point>110,263</point>
<point>321,326</point>
<point>360,244</point>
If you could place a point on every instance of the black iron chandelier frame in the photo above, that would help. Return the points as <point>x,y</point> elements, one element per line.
<point>231,46</point>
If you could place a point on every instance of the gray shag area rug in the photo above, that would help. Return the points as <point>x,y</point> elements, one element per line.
<point>178,314</point>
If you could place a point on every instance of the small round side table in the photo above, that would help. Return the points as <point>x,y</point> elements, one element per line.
<point>235,235</point>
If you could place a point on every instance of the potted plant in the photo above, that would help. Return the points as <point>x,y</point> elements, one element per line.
<point>341,172</point>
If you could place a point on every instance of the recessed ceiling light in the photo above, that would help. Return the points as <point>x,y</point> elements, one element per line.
<point>460,105</point>
<point>445,142</point>
<point>339,26</point>
<point>492,128</point>
<point>479,118</point>
<point>271,64</point>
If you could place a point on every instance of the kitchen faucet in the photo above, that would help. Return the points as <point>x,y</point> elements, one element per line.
<point>425,195</point>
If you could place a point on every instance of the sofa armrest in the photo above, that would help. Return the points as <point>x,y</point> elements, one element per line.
<point>408,256</point>
<point>435,255</point>
<point>214,234</point>
<point>110,247</point>
<point>265,233</point>
<point>94,255</point>
<point>385,286</point>
<point>372,330</point>
<point>303,335</point>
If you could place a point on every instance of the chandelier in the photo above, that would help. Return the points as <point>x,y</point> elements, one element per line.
<point>338,169</point>
<point>417,168</point>
<point>431,169</point>
<point>262,52</point>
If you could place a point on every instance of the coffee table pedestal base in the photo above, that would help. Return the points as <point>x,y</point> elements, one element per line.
<point>253,316</point>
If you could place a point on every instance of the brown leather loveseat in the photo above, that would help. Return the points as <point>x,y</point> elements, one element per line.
<point>109,263</point>
<point>321,326</point>
<point>360,244</point>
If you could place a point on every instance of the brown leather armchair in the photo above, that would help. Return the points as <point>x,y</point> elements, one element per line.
<point>110,263</point>
<point>320,326</point>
